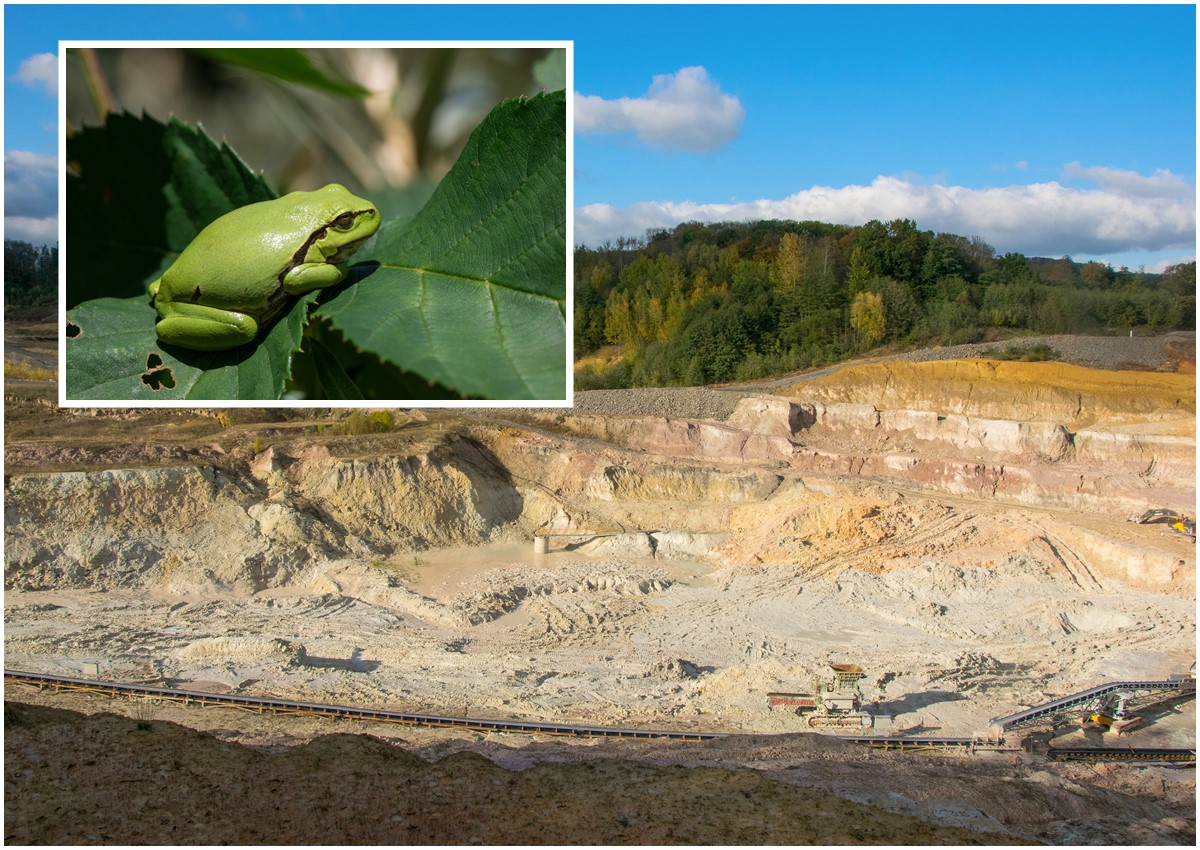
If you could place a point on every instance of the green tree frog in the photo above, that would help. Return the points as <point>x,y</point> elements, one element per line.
<point>243,270</point>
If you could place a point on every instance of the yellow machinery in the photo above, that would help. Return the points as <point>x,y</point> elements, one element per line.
<point>1179,522</point>
<point>1106,711</point>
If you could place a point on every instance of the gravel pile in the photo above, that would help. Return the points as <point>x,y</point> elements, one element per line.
<point>1098,352</point>
<point>675,402</point>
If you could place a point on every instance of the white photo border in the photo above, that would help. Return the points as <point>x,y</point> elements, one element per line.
<point>566,45</point>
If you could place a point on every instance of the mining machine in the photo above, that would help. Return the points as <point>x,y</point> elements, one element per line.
<point>1177,521</point>
<point>833,704</point>
<point>1107,711</point>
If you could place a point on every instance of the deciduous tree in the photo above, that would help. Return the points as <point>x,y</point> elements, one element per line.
<point>868,318</point>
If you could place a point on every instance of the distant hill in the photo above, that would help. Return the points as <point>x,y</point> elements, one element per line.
<point>711,303</point>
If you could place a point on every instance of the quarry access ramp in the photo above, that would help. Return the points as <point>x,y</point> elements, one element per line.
<point>1038,713</point>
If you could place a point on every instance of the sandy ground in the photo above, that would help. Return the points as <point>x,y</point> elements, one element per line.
<point>498,632</point>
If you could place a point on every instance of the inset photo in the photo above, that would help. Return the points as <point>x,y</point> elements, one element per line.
<point>315,224</point>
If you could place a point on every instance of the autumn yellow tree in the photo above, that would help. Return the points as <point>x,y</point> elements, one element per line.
<point>618,323</point>
<point>867,317</point>
<point>787,271</point>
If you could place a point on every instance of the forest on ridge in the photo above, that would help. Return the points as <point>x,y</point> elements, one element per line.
<point>713,303</point>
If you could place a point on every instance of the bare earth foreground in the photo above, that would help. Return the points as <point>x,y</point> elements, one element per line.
<point>958,528</point>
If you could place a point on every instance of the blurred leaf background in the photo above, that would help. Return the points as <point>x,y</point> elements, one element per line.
<point>387,122</point>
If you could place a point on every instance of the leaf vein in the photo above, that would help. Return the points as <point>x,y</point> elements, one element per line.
<point>421,270</point>
<point>538,242</point>
<point>504,343</point>
<point>424,314</point>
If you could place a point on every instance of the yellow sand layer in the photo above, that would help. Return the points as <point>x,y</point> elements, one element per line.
<point>1074,395</point>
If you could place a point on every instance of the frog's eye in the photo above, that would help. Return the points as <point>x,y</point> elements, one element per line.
<point>344,220</point>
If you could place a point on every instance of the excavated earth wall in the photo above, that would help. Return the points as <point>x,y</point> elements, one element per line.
<point>203,528</point>
<point>1034,463</point>
<point>1076,396</point>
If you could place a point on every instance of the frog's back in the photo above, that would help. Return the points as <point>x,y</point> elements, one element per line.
<point>237,260</point>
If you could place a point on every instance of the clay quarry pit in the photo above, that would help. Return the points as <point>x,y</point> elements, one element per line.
<point>958,528</point>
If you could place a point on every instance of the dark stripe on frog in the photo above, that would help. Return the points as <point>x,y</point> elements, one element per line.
<point>298,257</point>
<point>278,303</point>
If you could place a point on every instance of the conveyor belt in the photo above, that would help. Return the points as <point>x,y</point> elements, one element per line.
<point>1116,754</point>
<point>1037,713</point>
<point>888,742</point>
<point>263,705</point>
<point>282,706</point>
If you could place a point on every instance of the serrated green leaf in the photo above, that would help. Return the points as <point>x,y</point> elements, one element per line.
<point>472,292</point>
<point>141,192</point>
<point>284,63</point>
<point>113,354</point>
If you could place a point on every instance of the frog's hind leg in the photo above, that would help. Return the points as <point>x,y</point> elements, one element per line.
<point>203,328</point>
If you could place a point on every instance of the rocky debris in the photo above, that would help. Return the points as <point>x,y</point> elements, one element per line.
<point>499,591</point>
<point>675,669</point>
<point>285,654</point>
<point>670,402</point>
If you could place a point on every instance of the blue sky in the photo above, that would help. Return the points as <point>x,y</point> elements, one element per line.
<point>1046,130</point>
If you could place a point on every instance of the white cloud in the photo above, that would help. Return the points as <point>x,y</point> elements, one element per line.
<point>1038,219</point>
<point>39,71</point>
<point>1161,266</point>
<point>31,196</point>
<point>37,231</point>
<point>680,111</point>
<point>1161,184</point>
<point>30,184</point>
